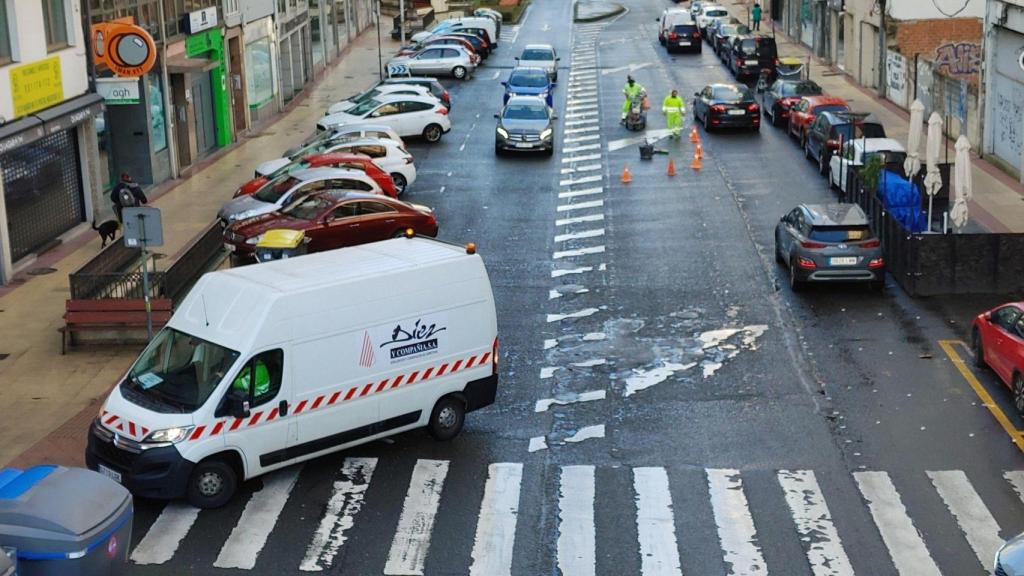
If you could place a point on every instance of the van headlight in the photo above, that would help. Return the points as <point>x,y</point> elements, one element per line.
<point>502,132</point>
<point>545,134</point>
<point>168,435</point>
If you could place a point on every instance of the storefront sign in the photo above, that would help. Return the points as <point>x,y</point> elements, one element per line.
<point>116,91</point>
<point>36,86</point>
<point>201,20</point>
<point>126,49</point>
<point>32,131</point>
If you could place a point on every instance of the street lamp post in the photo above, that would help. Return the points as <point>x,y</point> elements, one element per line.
<point>380,57</point>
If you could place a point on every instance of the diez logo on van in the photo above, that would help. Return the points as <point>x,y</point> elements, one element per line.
<point>412,338</point>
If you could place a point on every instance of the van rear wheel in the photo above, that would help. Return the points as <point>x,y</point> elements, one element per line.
<point>447,418</point>
<point>212,484</point>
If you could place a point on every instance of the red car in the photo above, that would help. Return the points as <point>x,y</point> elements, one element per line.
<point>448,40</point>
<point>998,340</point>
<point>333,221</point>
<point>360,162</point>
<point>802,114</point>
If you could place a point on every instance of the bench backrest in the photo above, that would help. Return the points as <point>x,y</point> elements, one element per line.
<point>118,305</point>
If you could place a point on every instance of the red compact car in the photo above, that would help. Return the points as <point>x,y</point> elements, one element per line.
<point>360,162</point>
<point>335,220</point>
<point>998,340</point>
<point>802,114</point>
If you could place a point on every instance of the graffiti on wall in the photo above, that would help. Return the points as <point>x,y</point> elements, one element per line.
<point>896,77</point>
<point>958,59</point>
<point>1009,122</point>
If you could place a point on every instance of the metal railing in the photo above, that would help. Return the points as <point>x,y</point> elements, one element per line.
<point>92,278</point>
<point>204,250</point>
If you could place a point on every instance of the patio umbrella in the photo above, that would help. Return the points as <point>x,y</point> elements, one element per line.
<point>932,177</point>
<point>961,182</point>
<point>913,162</point>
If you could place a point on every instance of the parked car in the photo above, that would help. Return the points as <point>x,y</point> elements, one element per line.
<point>432,84</point>
<point>392,157</point>
<point>782,95</point>
<point>540,56</point>
<point>529,82</point>
<point>722,31</point>
<point>751,54</point>
<point>453,24</point>
<point>441,41</point>
<point>726,105</point>
<point>708,14</point>
<point>407,115</point>
<point>343,160</point>
<point>290,187</point>
<point>829,243</point>
<point>525,124</point>
<point>998,340</point>
<point>438,61</point>
<point>803,112</point>
<point>397,89</point>
<point>333,220</point>
<point>670,17</point>
<point>482,46</point>
<point>856,152</point>
<point>321,141</point>
<point>494,14</point>
<point>1010,557</point>
<point>831,128</point>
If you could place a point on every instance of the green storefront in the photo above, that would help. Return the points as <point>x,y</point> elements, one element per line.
<point>209,45</point>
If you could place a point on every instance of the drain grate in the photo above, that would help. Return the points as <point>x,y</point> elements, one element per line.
<point>41,271</point>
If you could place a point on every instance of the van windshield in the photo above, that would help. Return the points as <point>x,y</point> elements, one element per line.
<point>178,370</point>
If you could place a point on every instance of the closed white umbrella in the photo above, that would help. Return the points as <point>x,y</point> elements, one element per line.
<point>961,182</point>
<point>932,177</point>
<point>913,162</point>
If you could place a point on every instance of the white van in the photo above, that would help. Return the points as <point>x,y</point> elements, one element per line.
<point>268,365</point>
<point>669,19</point>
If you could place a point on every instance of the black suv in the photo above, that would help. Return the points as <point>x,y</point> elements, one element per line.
<point>683,37</point>
<point>824,133</point>
<point>751,54</point>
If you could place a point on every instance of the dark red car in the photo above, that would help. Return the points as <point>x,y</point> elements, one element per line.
<point>998,340</point>
<point>802,114</point>
<point>444,40</point>
<point>335,220</point>
<point>360,162</point>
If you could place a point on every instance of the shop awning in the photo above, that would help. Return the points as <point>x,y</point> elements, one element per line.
<point>71,113</point>
<point>20,132</point>
<point>181,64</point>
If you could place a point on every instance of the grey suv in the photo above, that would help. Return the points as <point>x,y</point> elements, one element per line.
<point>829,243</point>
<point>1010,558</point>
<point>526,124</point>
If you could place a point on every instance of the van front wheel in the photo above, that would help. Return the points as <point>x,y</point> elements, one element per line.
<point>212,484</point>
<point>447,418</point>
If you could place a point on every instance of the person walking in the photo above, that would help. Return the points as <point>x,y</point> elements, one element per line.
<point>755,15</point>
<point>631,90</point>
<point>127,194</point>
<point>674,108</point>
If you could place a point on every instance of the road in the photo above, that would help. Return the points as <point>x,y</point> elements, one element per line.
<point>667,405</point>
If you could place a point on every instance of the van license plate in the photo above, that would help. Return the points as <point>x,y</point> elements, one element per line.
<point>751,62</point>
<point>115,476</point>
<point>843,260</point>
<point>736,112</point>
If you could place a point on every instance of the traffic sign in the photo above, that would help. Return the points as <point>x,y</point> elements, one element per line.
<point>398,70</point>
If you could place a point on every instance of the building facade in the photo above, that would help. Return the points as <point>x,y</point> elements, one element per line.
<point>1003,134</point>
<point>48,121</point>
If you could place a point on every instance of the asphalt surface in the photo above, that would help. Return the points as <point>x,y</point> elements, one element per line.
<point>732,425</point>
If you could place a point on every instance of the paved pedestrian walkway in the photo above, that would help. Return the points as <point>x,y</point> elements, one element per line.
<point>42,391</point>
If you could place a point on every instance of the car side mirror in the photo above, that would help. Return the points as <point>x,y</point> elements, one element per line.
<point>832,145</point>
<point>504,83</point>
<point>558,58</point>
<point>696,94</point>
<point>497,116</point>
<point>988,316</point>
<point>516,58</point>
<point>554,116</point>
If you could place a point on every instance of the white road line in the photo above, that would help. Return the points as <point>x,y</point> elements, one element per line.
<point>495,77</point>
<point>582,148</point>
<point>412,537</point>
<point>340,515</point>
<point>581,205</point>
<point>165,535</point>
<point>572,315</point>
<point>537,443</point>
<point>585,433</point>
<point>575,101</point>
<point>243,546</point>
<point>581,234</point>
<point>579,219</point>
<point>656,530</point>
<point>576,545</point>
<point>1016,479</point>
<point>585,138</point>
<point>585,192</point>
<point>906,548</point>
<point>814,523</point>
<point>974,519</point>
<point>584,168</point>
<point>567,271</point>
<point>590,396</point>
<point>496,527</point>
<point>581,114</point>
<point>577,252</point>
<point>548,371</point>
<point>581,107</point>
<point>582,130</point>
<point>583,121</point>
<point>581,88</point>
<point>735,524</point>
<point>583,180</point>
<point>580,158</point>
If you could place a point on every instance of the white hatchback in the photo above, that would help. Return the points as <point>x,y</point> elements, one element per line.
<point>856,152</point>
<point>540,56</point>
<point>408,115</point>
<point>389,155</point>
<point>378,90</point>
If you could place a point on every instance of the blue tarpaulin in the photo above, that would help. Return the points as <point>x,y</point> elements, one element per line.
<point>903,200</point>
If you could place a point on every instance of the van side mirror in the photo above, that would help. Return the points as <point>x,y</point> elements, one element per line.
<point>235,404</point>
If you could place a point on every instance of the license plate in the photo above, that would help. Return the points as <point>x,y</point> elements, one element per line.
<point>751,62</point>
<point>843,260</point>
<point>524,145</point>
<point>736,112</point>
<point>113,475</point>
<point>229,247</point>
<point>684,42</point>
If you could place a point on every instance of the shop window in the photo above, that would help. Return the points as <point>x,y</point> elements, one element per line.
<point>5,34</point>
<point>56,22</point>
<point>158,125</point>
<point>258,79</point>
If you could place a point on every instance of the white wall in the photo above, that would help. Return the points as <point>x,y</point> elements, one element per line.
<point>28,39</point>
<point>927,9</point>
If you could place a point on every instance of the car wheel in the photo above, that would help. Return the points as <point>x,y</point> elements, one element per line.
<point>795,283</point>
<point>979,349</point>
<point>807,150</point>
<point>550,151</point>
<point>707,123</point>
<point>822,166</point>
<point>497,150</point>
<point>459,72</point>
<point>778,251</point>
<point>212,484</point>
<point>447,418</point>
<point>400,183</point>
<point>1018,392</point>
<point>432,133</point>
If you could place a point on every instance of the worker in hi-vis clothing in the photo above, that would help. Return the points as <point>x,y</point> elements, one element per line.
<point>631,90</point>
<point>673,107</point>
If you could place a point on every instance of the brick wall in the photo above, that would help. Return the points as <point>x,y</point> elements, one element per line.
<point>952,44</point>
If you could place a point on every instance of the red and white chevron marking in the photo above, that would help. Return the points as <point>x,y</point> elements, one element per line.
<point>123,425</point>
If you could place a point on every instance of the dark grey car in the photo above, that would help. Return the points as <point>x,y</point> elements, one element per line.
<point>526,124</point>
<point>1010,558</point>
<point>829,243</point>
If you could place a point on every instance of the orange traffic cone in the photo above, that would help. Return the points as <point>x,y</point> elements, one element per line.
<point>671,167</point>
<point>693,135</point>
<point>696,162</point>
<point>626,176</point>
<point>699,152</point>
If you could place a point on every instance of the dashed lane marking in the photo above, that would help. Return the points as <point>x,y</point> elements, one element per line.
<point>585,138</point>
<point>578,252</point>
<point>581,205</point>
<point>582,148</point>
<point>567,271</point>
<point>577,193</point>
<point>579,219</point>
<point>582,158</point>
<point>583,180</point>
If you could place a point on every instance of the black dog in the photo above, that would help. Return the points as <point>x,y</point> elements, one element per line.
<point>107,231</point>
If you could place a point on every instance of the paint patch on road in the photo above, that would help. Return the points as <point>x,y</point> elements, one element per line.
<point>585,433</point>
<point>592,395</point>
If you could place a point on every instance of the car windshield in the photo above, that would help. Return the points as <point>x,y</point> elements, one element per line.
<point>364,107</point>
<point>760,46</point>
<point>272,191</point>
<point>731,93</point>
<point>289,168</point>
<point>831,108</point>
<point>525,112</point>
<point>715,13</point>
<point>529,79</point>
<point>179,370</point>
<point>866,130</point>
<point>888,156</point>
<point>727,30</point>
<point>800,89</point>
<point>364,96</point>
<point>306,208</point>
<point>537,54</point>
<point>840,233</point>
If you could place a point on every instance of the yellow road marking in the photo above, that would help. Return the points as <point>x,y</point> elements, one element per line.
<point>1017,436</point>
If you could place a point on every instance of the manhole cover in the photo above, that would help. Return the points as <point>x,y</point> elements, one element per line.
<point>41,271</point>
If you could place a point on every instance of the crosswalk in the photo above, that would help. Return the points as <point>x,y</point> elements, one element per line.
<point>646,498</point>
<point>508,35</point>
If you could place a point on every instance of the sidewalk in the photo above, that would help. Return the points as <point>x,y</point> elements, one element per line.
<point>43,392</point>
<point>998,203</point>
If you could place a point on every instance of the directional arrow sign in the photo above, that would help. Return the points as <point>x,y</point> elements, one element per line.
<point>631,68</point>
<point>398,70</point>
<point>635,140</point>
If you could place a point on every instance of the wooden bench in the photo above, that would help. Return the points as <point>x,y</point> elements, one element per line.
<point>110,314</point>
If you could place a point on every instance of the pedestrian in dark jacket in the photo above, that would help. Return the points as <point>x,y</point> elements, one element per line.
<point>127,194</point>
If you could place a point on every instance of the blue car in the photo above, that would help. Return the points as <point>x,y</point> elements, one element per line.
<point>529,82</point>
